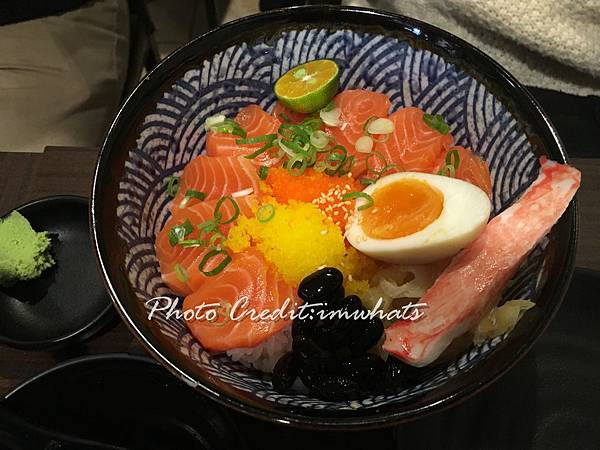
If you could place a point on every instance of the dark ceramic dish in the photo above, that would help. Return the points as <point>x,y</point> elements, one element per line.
<point>67,304</point>
<point>160,129</point>
<point>81,402</point>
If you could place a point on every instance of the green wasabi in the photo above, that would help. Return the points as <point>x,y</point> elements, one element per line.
<point>24,253</point>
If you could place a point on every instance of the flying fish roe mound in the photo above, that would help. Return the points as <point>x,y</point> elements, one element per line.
<point>318,188</point>
<point>298,239</point>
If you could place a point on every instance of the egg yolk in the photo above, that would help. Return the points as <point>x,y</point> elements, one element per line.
<point>402,208</point>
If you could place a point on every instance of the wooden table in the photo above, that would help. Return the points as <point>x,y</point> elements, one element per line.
<point>24,177</point>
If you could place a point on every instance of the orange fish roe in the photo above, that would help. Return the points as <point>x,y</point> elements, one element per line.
<point>317,188</point>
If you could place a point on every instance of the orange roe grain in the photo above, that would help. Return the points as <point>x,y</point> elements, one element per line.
<point>317,188</point>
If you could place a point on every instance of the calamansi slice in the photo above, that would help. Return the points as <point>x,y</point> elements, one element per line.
<point>308,87</point>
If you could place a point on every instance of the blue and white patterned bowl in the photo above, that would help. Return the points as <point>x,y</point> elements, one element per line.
<point>160,129</point>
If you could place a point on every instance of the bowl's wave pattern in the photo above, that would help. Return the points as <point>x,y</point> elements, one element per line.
<point>173,134</point>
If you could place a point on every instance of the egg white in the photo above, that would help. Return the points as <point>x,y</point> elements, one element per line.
<point>465,213</point>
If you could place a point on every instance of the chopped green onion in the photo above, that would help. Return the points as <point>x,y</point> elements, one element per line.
<point>189,194</point>
<point>285,117</point>
<point>451,166</point>
<point>219,268</point>
<point>263,171</point>
<point>180,273</point>
<point>356,195</point>
<point>367,181</point>
<point>218,236</point>
<point>320,166</point>
<point>312,123</point>
<point>436,122</point>
<point>296,171</point>
<point>230,127</point>
<point>179,232</point>
<point>219,216</point>
<point>328,107</point>
<point>319,139</point>
<point>333,156</point>
<point>378,155</point>
<point>209,226</point>
<point>173,185</point>
<point>260,151</point>
<point>265,213</point>
<point>257,139</point>
<point>189,243</point>
<point>367,123</point>
<point>345,166</point>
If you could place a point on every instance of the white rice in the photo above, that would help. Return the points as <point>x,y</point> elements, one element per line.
<point>264,356</point>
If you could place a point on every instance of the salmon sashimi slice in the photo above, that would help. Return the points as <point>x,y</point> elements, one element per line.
<point>281,113</point>
<point>255,122</point>
<point>471,168</point>
<point>215,176</point>
<point>472,283</point>
<point>247,277</point>
<point>189,258</point>
<point>356,107</point>
<point>413,146</point>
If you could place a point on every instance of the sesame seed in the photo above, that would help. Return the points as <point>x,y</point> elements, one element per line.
<point>323,232</point>
<point>350,277</point>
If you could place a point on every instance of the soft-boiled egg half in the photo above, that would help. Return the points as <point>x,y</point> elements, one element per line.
<point>418,218</point>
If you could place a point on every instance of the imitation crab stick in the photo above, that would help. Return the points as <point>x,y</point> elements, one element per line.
<point>472,283</point>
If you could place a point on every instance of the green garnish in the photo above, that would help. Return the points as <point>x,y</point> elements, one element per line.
<point>328,107</point>
<point>179,232</point>
<point>260,151</point>
<point>265,213</point>
<point>367,123</point>
<point>452,162</point>
<point>263,171</point>
<point>216,239</point>
<point>356,195</point>
<point>285,117</point>
<point>229,126</point>
<point>257,139</point>
<point>173,185</point>
<point>219,216</point>
<point>367,181</point>
<point>436,122</point>
<point>189,194</point>
<point>211,254</point>
<point>180,273</point>
<point>346,166</point>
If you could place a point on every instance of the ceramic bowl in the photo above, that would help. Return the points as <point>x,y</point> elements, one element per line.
<point>160,129</point>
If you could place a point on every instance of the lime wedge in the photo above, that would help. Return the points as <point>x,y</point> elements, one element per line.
<point>308,87</point>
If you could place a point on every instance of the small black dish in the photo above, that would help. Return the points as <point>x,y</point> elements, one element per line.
<point>114,401</point>
<point>68,303</point>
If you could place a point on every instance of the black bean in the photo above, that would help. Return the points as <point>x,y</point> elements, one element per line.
<point>320,285</point>
<point>365,334</point>
<point>335,388</point>
<point>306,347</point>
<point>365,370</point>
<point>285,372</point>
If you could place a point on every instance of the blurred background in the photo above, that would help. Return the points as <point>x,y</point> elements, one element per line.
<point>67,65</point>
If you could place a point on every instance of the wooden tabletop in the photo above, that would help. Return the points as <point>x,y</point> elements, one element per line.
<point>26,176</point>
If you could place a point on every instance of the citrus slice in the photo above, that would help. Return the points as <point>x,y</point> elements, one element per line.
<point>308,87</point>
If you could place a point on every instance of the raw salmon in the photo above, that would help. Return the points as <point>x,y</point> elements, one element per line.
<point>356,107</point>
<point>413,146</point>
<point>248,276</point>
<point>474,280</point>
<point>471,168</point>
<point>215,176</point>
<point>189,258</point>
<point>256,122</point>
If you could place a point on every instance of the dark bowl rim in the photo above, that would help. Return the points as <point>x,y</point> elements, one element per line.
<point>83,332</point>
<point>295,417</point>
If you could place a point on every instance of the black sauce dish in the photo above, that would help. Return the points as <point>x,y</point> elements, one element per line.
<point>68,303</point>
